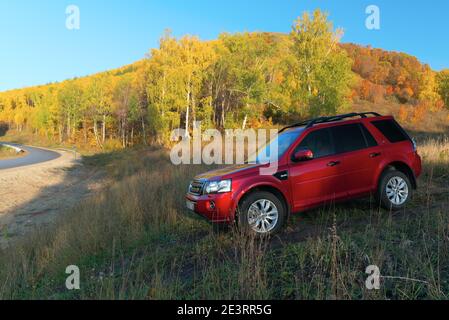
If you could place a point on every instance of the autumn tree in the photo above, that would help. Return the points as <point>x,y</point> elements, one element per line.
<point>97,106</point>
<point>166,98</point>
<point>125,104</point>
<point>323,70</point>
<point>442,79</point>
<point>70,99</point>
<point>140,84</point>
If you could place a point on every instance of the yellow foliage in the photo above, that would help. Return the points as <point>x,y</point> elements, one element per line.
<point>418,113</point>
<point>403,114</point>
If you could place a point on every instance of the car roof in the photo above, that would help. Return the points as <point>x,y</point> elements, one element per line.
<point>349,121</point>
<point>331,121</point>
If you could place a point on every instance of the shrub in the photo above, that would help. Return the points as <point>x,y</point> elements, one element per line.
<point>112,145</point>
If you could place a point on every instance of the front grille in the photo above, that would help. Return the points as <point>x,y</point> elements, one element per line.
<point>196,187</point>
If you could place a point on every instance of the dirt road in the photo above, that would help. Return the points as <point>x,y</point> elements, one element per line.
<point>33,155</point>
<point>33,195</point>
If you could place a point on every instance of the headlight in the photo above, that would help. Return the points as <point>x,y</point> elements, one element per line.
<point>218,186</point>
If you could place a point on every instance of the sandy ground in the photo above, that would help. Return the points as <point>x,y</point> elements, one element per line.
<point>32,196</point>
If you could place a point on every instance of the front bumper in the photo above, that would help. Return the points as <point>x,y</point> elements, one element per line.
<point>217,208</point>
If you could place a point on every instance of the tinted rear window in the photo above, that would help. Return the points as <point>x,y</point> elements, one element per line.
<point>348,138</point>
<point>391,130</point>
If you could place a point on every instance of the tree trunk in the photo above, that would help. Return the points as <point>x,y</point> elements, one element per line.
<point>60,133</point>
<point>103,134</point>
<point>211,107</point>
<point>68,127</point>
<point>244,122</point>
<point>97,139</point>
<point>188,109</point>
<point>193,108</point>
<point>223,113</point>
<point>85,130</point>
<point>73,131</point>
<point>123,137</point>
<point>144,133</point>
<point>132,136</point>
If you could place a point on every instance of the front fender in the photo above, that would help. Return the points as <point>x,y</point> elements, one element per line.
<point>263,182</point>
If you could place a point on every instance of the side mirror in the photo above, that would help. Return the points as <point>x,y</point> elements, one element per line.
<point>303,155</point>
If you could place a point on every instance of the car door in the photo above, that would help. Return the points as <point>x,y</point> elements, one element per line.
<point>361,157</point>
<point>316,181</point>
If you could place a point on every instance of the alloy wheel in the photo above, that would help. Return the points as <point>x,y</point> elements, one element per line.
<point>397,191</point>
<point>263,216</point>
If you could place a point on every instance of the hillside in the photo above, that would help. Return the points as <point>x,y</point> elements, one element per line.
<point>238,80</point>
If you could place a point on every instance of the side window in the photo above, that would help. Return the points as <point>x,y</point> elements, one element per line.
<point>368,136</point>
<point>391,130</point>
<point>319,142</point>
<point>348,138</point>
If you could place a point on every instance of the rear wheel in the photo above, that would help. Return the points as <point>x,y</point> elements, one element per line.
<point>395,190</point>
<point>262,213</point>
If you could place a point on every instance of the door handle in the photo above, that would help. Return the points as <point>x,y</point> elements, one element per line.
<point>375,154</point>
<point>333,163</point>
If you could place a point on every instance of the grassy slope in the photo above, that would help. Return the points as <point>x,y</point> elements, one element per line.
<point>136,241</point>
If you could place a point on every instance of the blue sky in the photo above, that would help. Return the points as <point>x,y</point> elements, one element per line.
<point>37,48</point>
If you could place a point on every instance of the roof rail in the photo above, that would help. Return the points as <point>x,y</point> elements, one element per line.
<point>311,122</point>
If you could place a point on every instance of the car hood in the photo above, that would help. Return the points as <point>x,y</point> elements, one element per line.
<point>227,172</point>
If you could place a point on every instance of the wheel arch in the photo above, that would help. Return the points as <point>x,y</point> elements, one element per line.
<point>267,188</point>
<point>401,167</point>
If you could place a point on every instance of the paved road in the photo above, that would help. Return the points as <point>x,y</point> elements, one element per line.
<point>33,156</point>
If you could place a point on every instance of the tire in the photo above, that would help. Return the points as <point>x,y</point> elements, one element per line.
<point>261,213</point>
<point>394,190</point>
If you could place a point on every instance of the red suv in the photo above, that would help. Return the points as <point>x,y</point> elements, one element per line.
<point>321,160</point>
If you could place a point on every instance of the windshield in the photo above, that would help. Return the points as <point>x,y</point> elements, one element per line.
<point>277,147</point>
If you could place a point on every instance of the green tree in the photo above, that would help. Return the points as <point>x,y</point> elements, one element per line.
<point>442,80</point>
<point>125,102</point>
<point>248,57</point>
<point>70,99</point>
<point>428,89</point>
<point>165,93</point>
<point>97,105</point>
<point>322,68</point>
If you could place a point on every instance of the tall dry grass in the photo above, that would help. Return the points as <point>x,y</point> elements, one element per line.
<point>134,240</point>
<point>129,241</point>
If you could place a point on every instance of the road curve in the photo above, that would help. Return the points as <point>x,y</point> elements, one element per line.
<point>33,156</point>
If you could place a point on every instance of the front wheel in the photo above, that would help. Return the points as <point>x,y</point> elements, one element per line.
<point>395,190</point>
<point>262,213</point>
